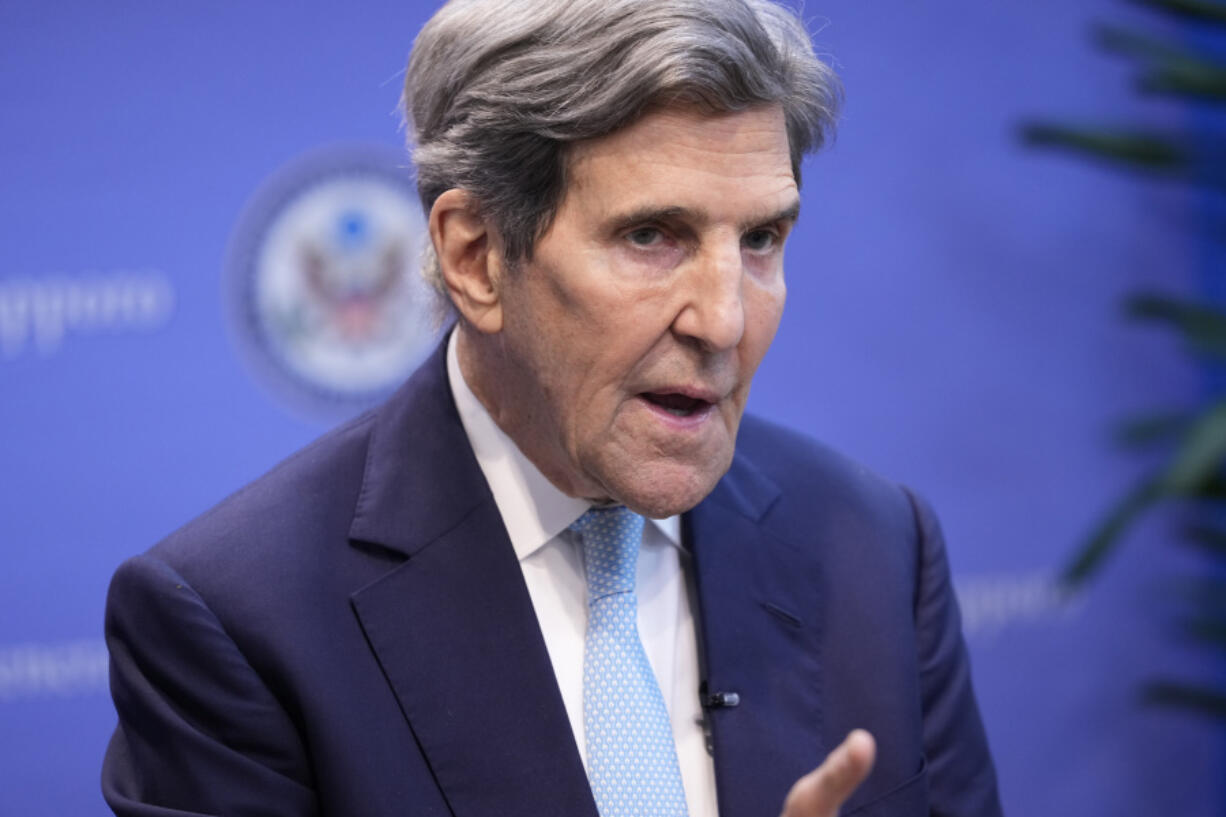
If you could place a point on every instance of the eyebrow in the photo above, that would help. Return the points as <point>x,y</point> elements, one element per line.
<point>647,214</point>
<point>788,215</point>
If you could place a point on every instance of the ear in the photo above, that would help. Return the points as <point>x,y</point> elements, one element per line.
<point>469,257</point>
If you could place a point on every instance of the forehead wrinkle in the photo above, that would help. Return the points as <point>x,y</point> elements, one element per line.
<point>590,165</point>
<point>787,215</point>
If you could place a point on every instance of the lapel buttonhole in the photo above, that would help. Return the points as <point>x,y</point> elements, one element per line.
<point>783,615</point>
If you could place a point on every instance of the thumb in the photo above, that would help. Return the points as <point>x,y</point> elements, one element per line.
<point>821,792</point>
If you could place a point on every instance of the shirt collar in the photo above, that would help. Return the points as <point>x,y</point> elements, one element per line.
<point>533,510</point>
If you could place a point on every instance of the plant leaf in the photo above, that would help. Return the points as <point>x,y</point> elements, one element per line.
<point>1203,699</point>
<point>1203,595</point>
<point>1129,43</point>
<point>1200,10</point>
<point>1198,80</point>
<point>1211,490</point>
<point>1202,326</point>
<point>1149,151</point>
<point>1200,455</point>
<point>1193,471</point>
<point>1168,68</point>
<point>1209,539</point>
<point>1205,628</point>
<point>1154,428</point>
<point>1106,536</point>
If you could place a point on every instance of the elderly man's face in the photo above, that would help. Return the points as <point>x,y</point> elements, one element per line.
<point>629,340</point>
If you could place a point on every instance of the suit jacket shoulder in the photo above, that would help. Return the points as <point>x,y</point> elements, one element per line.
<point>857,564</point>
<point>347,635</point>
<point>317,643</point>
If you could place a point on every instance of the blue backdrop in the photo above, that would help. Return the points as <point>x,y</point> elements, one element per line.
<point>952,322</point>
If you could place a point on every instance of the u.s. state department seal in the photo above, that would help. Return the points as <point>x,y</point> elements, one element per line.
<point>328,306</point>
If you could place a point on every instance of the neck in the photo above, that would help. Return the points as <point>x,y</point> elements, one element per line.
<point>499,384</point>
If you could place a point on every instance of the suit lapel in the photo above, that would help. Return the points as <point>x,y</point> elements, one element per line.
<point>760,640</point>
<point>453,626</point>
<point>454,630</point>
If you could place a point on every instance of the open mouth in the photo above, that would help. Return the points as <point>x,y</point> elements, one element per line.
<point>678,405</point>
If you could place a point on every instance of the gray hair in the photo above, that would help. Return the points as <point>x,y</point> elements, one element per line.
<point>496,90</point>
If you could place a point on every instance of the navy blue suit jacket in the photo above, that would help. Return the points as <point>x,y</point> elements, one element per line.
<point>351,636</point>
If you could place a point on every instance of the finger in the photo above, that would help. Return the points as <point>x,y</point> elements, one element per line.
<point>821,792</point>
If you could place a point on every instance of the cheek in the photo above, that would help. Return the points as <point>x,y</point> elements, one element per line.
<point>763,311</point>
<point>589,378</point>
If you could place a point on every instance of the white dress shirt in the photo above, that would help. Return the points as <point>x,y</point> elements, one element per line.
<point>536,515</point>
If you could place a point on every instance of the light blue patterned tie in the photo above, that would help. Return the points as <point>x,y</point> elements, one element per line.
<point>632,761</point>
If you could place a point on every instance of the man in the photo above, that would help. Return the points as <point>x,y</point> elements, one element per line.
<point>453,604</point>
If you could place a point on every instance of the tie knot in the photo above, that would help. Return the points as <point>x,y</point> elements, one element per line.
<point>611,538</point>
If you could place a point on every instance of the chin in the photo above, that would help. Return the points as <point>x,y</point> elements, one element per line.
<point>661,491</point>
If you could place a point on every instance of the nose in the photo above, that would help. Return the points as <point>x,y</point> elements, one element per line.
<point>713,310</point>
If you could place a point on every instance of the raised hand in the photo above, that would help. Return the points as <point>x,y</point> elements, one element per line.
<point>822,791</point>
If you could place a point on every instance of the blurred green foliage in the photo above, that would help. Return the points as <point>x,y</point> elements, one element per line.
<point>1192,469</point>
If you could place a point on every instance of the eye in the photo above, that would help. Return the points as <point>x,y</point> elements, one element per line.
<point>760,240</point>
<point>645,236</point>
